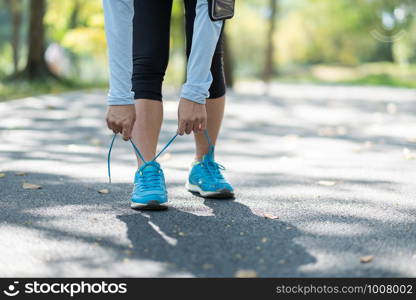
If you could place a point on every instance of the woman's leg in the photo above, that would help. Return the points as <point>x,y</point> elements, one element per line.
<point>214,105</point>
<point>151,30</point>
<point>215,113</point>
<point>149,117</point>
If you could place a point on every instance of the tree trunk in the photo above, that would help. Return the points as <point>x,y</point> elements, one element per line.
<point>74,17</point>
<point>15,8</point>
<point>36,67</point>
<point>269,68</point>
<point>228,62</point>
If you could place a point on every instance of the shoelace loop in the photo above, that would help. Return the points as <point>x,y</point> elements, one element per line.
<point>214,169</point>
<point>137,150</point>
<point>151,179</point>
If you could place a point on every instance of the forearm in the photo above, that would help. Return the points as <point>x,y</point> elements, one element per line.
<point>204,42</point>
<point>119,32</point>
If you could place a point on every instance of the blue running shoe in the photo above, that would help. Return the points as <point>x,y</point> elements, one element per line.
<point>149,191</point>
<point>206,179</point>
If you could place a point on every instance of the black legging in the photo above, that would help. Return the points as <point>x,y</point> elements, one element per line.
<point>151,34</point>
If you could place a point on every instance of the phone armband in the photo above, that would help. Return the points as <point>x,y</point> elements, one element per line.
<point>221,9</point>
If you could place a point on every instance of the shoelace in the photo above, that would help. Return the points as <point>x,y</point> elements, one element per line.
<point>214,169</point>
<point>137,150</point>
<point>212,166</point>
<point>151,180</point>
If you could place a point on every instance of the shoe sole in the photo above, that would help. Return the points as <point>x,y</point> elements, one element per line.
<point>151,205</point>
<point>221,194</point>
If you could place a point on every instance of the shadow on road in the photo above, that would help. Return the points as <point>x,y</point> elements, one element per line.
<point>231,239</point>
<point>84,230</point>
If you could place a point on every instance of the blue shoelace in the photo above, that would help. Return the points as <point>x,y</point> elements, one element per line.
<point>137,150</point>
<point>150,180</point>
<point>214,169</point>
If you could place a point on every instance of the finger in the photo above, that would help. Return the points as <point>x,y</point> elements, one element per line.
<point>111,126</point>
<point>181,128</point>
<point>197,126</point>
<point>188,127</point>
<point>126,132</point>
<point>118,127</point>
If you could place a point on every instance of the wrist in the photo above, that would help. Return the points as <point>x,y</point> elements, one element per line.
<point>192,101</point>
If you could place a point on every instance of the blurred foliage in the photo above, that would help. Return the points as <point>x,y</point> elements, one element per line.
<point>311,35</point>
<point>20,89</point>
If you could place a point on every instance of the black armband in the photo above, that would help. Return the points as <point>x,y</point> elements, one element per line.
<point>221,9</point>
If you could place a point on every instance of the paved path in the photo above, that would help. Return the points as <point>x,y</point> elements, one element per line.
<point>335,164</point>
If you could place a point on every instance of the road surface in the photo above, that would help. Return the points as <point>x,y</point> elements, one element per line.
<point>325,175</point>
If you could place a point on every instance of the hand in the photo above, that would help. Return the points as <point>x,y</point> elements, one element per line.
<point>192,116</point>
<point>120,119</point>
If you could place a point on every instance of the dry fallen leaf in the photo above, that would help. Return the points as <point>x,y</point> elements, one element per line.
<point>20,173</point>
<point>365,146</point>
<point>271,217</point>
<point>207,266</point>
<point>332,131</point>
<point>104,191</point>
<point>411,139</point>
<point>326,131</point>
<point>95,141</point>
<point>341,130</point>
<point>391,108</point>
<point>291,137</point>
<point>408,155</point>
<point>30,186</point>
<point>245,274</point>
<point>366,259</point>
<point>2,175</point>
<point>327,182</point>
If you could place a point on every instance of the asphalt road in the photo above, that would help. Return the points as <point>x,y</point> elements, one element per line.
<point>333,168</point>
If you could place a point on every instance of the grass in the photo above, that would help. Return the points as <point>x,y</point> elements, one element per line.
<point>15,89</point>
<point>375,74</point>
<point>383,80</point>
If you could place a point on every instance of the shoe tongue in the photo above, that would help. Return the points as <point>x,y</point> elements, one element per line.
<point>149,167</point>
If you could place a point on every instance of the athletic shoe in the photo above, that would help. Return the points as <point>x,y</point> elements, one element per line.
<point>206,179</point>
<point>149,188</point>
